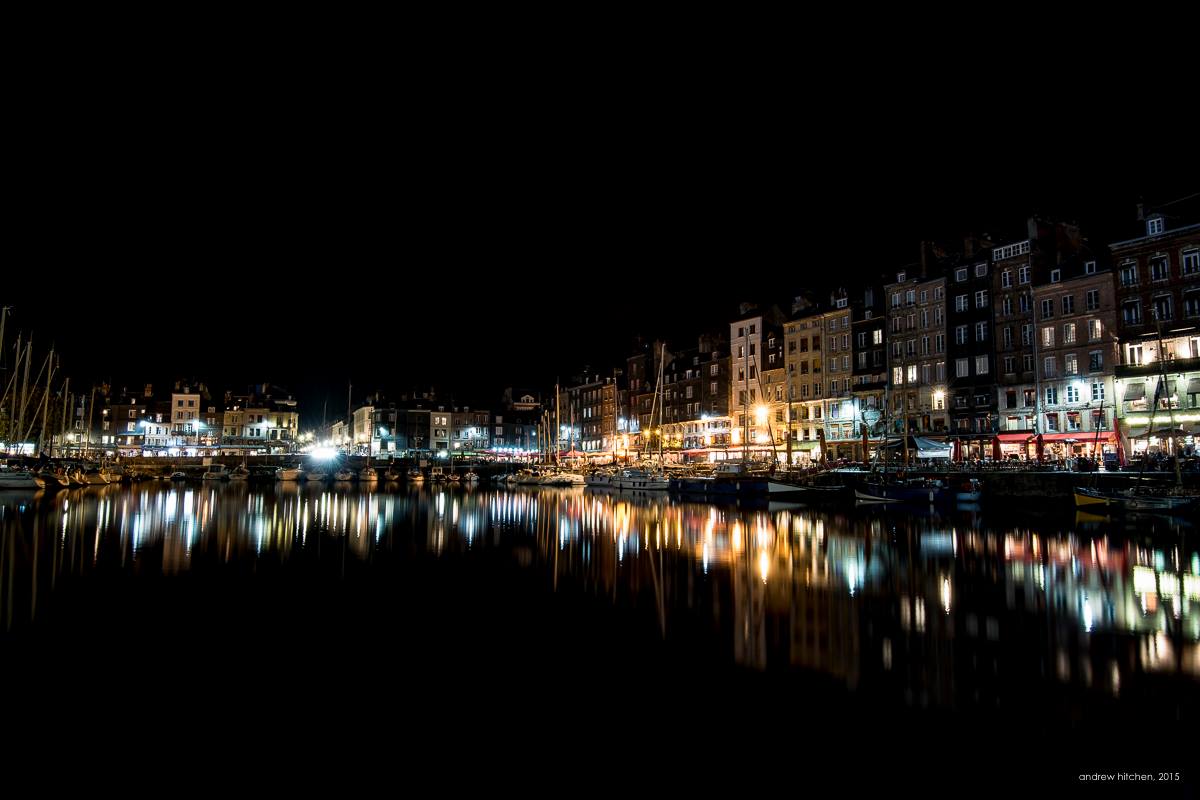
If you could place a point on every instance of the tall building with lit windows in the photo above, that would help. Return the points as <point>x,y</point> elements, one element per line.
<point>1019,263</point>
<point>971,352</point>
<point>1157,271</point>
<point>755,337</point>
<point>1077,354</point>
<point>840,414</point>
<point>870,372</point>
<point>804,341</point>
<point>916,325</point>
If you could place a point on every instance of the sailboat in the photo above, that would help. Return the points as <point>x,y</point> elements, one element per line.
<point>240,472</point>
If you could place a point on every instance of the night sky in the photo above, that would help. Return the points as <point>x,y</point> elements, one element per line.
<point>497,237</point>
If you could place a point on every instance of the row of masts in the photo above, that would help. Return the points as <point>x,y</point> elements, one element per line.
<point>25,403</point>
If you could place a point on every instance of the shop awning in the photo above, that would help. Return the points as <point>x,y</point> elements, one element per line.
<point>1135,391</point>
<point>804,446</point>
<point>1019,438</point>
<point>1081,437</point>
<point>929,448</point>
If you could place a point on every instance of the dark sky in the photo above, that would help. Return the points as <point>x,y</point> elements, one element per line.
<point>500,233</point>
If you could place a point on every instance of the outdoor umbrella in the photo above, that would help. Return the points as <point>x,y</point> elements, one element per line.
<point>996,448</point>
<point>958,451</point>
<point>1041,449</point>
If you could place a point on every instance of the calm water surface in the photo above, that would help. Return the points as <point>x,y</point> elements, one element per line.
<point>1055,621</point>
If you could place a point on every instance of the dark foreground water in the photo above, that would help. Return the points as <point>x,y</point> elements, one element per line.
<point>571,626</point>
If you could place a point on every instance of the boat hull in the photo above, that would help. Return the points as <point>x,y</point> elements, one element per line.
<point>1133,501</point>
<point>897,494</point>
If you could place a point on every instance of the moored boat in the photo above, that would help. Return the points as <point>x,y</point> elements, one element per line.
<point>641,480</point>
<point>216,472</point>
<point>20,479</point>
<point>287,474</point>
<point>969,491</point>
<point>368,475</point>
<point>416,476</point>
<point>912,492</point>
<point>1135,499</point>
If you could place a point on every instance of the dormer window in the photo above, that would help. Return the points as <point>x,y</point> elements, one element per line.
<point>900,277</point>
<point>1154,226</point>
<point>1089,268</point>
<point>1055,275</point>
<point>841,302</point>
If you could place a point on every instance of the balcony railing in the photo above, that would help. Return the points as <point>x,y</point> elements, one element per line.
<point>1171,365</point>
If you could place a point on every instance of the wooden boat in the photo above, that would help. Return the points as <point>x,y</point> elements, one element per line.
<point>1136,499</point>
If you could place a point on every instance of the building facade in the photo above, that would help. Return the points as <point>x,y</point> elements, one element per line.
<point>916,324</point>
<point>1158,321</point>
<point>1077,356</point>
<point>971,351</point>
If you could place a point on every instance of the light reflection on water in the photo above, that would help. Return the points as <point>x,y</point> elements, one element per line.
<point>935,609</point>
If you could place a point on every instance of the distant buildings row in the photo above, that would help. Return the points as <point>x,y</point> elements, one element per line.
<point>186,420</point>
<point>994,345</point>
<point>1004,346</point>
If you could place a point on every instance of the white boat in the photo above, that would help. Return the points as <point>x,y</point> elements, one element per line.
<point>416,476</point>
<point>436,475</point>
<point>368,475</point>
<point>240,473</point>
<point>601,479</point>
<point>343,476</point>
<point>470,477</point>
<point>114,474</point>
<point>391,476</point>
<point>641,480</point>
<point>288,474</point>
<point>20,479</point>
<point>562,479</point>
<point>216,472</point>
<point>177,475</point>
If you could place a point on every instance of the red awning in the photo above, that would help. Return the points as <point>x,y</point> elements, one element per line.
<point>1081,437</point>
<point>1014,437</point>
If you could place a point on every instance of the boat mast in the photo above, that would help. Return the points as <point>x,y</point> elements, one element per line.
<point>91,405</point>
<point>1096,438</point>
<point>1163,387</point>
<point>24,394</point>
<point>46,403</point>
<point>12,387</point>
<point>3,318</point>
<point>62,436</point>
<point>745,392</point>
<point>662,357</point>
<point>789,424</point>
